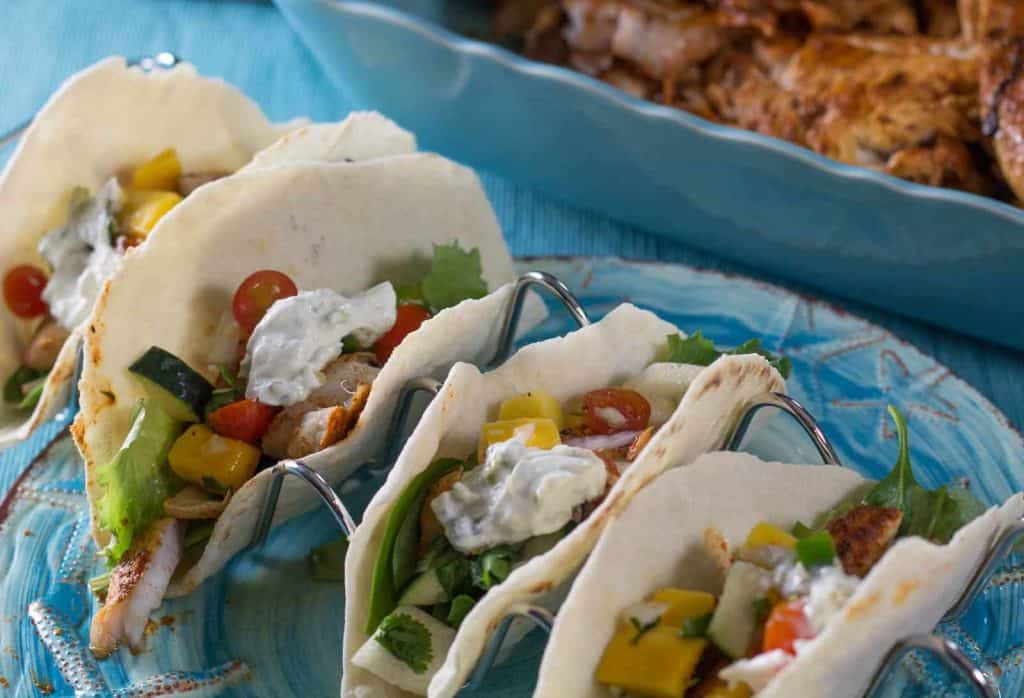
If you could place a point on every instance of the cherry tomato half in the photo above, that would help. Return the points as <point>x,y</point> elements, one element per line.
<point>23,291</point>
<point>611,410</point>
<point>257,293</point>
<point>408,318</point>
<point>786,624</point>
<point>245,420</point>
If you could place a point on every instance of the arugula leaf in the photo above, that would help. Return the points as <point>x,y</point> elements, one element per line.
<point>138,480</point>
<point>493,566</point>
<point>698,350</point>
<point>933,514</point>
<point>407,639</point>
<point>13,386</point>
<point>455,275</point>
<point>327,562</point>
<point>460,608</point>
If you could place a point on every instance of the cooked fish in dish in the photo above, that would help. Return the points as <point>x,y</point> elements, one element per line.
<point>925,90</point>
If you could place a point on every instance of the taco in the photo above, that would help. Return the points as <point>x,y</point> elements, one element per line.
<point>112,151</point>
<point>508,480</point>
<point>737,577</point>
<point>275,314</point>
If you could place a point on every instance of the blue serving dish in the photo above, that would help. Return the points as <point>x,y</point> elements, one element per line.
<point>946,257</point>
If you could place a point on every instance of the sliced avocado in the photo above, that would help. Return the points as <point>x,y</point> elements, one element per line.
<point>180,391</point>
<point>734,622</point>
<point>425,590</point>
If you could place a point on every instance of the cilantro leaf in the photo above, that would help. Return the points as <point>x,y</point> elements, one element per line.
<point>933,514</point>
<point>407,639</point>
<point>460,608</point>
<point>493,566</point>
<point>696,626</point>
<point>455,275</point>
<point>698,350</point>
<point>642,628</point>
<point>138,480</point>
<point>453,572</point>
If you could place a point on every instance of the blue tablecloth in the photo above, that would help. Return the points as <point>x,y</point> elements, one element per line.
<point>249,44</point>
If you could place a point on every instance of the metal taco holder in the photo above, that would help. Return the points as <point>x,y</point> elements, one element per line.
<point>158,61</point>
<point>947,652</point>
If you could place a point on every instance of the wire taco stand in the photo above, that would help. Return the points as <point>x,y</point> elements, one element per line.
<point>945,651</point>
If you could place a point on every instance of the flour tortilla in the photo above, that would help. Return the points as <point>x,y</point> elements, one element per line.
<point>101,121</point>
<point>658,541</point>
<point>604,354</point>
<point>345,226</point>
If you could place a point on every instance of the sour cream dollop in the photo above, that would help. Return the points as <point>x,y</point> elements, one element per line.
<point>81,256</point>
<point>517,493</point>
<point>300,335</point>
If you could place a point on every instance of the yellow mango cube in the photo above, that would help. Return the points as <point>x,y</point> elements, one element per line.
<point>161,172</point>
<point>659,663</point>
<point>212,461</point>
<point>536,403</point>
<point>142,210</point>
<point>770,534</point>
<point>537,432</point>
<point>683,604</point>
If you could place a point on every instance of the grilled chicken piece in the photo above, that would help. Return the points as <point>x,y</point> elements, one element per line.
<point>862,536</point>
<point>41,353</point>
<point>940,19</point>
<point>1002,109</point>
<point>988,19</point>
<point>882,16</point>
<point>328,414</point>
<point>137,587</point>
<point>946,162</point>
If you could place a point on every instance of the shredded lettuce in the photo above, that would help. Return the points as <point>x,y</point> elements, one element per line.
<point>455,275</point>
<point>138,480</point>
<point>698,350</point>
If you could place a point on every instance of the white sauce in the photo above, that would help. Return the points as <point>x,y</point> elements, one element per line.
<point>81,256</point>
<point>831,589</point>
<point>663,385</point>
<point>300,335</point>
<point>757,671</point>
<point>518,492</point>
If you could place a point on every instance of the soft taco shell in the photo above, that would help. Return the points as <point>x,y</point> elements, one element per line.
<point>105,119</point>
<point>658,541</point>
<point>601,355</point>
<point>345,226</point>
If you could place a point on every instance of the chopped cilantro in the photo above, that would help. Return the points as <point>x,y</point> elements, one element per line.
<point>460,608</point>
<point>697,349</point>
<point>455,275</point>
<point>696,627</point>
<point>643,628</point>
<point>453,572</point>
<point>407,639</point>
<point>493,566</point>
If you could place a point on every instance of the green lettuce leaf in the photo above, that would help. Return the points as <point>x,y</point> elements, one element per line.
<point>699,351</point>
<point>455,275</point>
<point>138,480</point>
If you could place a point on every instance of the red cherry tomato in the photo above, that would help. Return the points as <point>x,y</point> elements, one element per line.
<point>786,624</point>
<point>257,293</point>
<point>245,420</point>
<point>600,408</point>
<point>408,318</point>
<point>23,291</point>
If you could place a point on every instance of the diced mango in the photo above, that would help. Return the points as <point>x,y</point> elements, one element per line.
<point>142,210</point>
<point>538,432</point>
<point>211,461</point>
<point>161,172</point>
<point>660,663</point>
<point>536,403</point>
<point>575,421</point>
<point>770,534</point>
<point>683,604</point>
<point>721,689</point>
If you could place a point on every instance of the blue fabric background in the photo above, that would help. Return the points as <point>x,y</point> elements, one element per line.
<point>248,43</point>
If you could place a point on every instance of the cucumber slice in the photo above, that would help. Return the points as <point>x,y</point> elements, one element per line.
<point>425,590</point>
<point>179,390</point>
<point>734,623</point>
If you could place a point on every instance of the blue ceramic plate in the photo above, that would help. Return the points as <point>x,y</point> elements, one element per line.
<point>263,627</point>
<point>950,258</point>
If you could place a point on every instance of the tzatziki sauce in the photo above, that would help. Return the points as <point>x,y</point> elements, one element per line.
<point>81,256</point>
<point>518,492</point>
<point>300,335</point>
